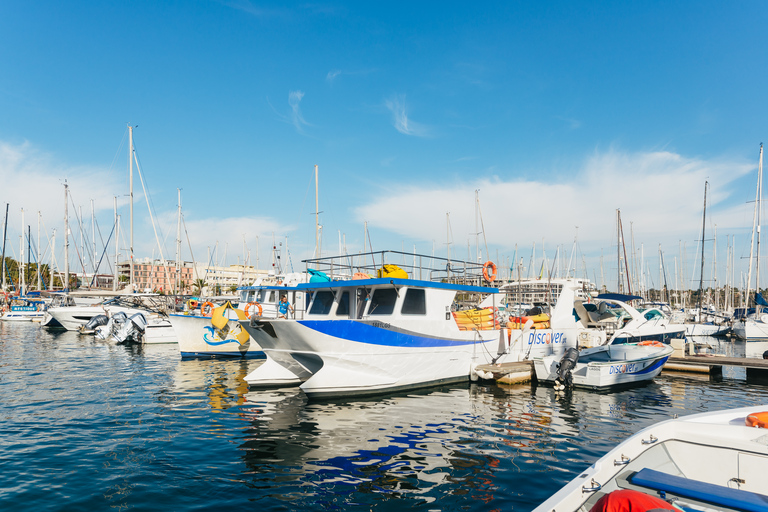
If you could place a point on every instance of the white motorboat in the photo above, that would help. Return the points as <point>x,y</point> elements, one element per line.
<point>24,310</point>
<point>604,366</point>
<point>131,325</point>
<point>372,335</point>
<point>706,329</point>
<point>627,324</point>
<point>753,327</point>
<point>715,461</point>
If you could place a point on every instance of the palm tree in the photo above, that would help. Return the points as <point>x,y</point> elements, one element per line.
<point>198,285</point>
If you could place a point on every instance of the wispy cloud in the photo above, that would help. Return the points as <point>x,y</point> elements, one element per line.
<point>335,73</point>
<point>294,117</point>
<point>248,7</point>
<point>573,124</point>
<point>396,105</point>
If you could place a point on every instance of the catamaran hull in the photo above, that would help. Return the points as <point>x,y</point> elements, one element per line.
<point>197,337</point>
<point>349,357</point>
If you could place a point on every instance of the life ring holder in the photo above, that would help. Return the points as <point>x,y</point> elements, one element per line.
<point>210,311</point>
<point>757,419</point>
<point>489,271</point>
<point>248,307</point>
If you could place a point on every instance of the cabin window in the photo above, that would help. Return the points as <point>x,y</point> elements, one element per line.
<point>414,302</point>
<point>383,301</point>
<point>343,308</point>
<point>321,305</point>
<point>271,297</point>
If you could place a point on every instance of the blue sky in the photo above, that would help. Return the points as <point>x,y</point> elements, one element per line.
<point>557,113</point>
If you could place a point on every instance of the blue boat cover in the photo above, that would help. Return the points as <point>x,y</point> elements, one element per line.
<point>759,300</point>
<point>618,296</point>
<point>702,491</point>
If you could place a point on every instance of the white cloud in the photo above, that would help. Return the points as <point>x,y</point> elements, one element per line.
<point>294,100</point>
<point>659,193</point>
<point>34,180</point>
<point>332,75</point>
<point>396,105</point>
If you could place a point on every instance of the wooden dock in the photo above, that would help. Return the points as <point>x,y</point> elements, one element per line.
<point>757,369</point>
<point>509,373</point>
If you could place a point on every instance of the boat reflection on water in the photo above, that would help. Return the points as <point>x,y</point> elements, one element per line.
<point>428,444</point>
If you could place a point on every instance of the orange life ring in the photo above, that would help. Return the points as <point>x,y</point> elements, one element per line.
<point>757,419</point>
<point>210,311</point>
<point>489,276</point>
<point>248,306</point>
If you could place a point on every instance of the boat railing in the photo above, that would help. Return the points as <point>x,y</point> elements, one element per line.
<point>418,266</point>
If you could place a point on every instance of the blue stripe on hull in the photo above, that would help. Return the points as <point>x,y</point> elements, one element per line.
<point>251,354</point>
<point>360,332</point>
<point>653,367</point>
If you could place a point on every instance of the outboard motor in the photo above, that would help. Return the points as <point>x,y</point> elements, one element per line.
<point>132,329</point>
<point>93,323</point>
<point>567,363</point>
<point>115,321</point>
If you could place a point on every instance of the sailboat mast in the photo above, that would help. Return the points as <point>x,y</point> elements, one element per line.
<point>130,193</point>
<point>38,252</point>
<point>317,216</point>
<point>178,246</point>
<point>701,275</point>
<point>22,279</point>
<point>65,284</point>
<point>117,247</point>
<point>477,228</point>
<point>5,236</point>
<point>758,214</point>
<point>619,280</point>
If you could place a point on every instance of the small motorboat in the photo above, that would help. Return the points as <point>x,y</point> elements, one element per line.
<point>715,461</point>
<point>604,366</point>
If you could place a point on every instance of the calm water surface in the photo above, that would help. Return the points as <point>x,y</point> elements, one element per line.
<point>90,425</point>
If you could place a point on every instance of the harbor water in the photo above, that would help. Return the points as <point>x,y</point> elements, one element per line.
<point>90,425</point>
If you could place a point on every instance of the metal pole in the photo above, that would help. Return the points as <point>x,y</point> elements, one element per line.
<point>65,284</point>
<point>5,235</point>
<point>130,186</point>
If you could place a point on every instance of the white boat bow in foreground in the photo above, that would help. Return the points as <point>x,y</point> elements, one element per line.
<point>704,462</point>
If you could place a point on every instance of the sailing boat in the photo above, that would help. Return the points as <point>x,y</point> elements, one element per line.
<point>755,326</point>
<point>701,328</point>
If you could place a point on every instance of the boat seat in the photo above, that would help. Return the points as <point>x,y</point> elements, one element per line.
<point>587,319</point>
<point>701,491</point>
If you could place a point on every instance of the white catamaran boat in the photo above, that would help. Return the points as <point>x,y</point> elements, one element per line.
<point>715,461</point>
<point>372,335</point>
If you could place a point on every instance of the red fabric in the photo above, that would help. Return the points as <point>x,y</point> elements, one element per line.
<point>626,500</point>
